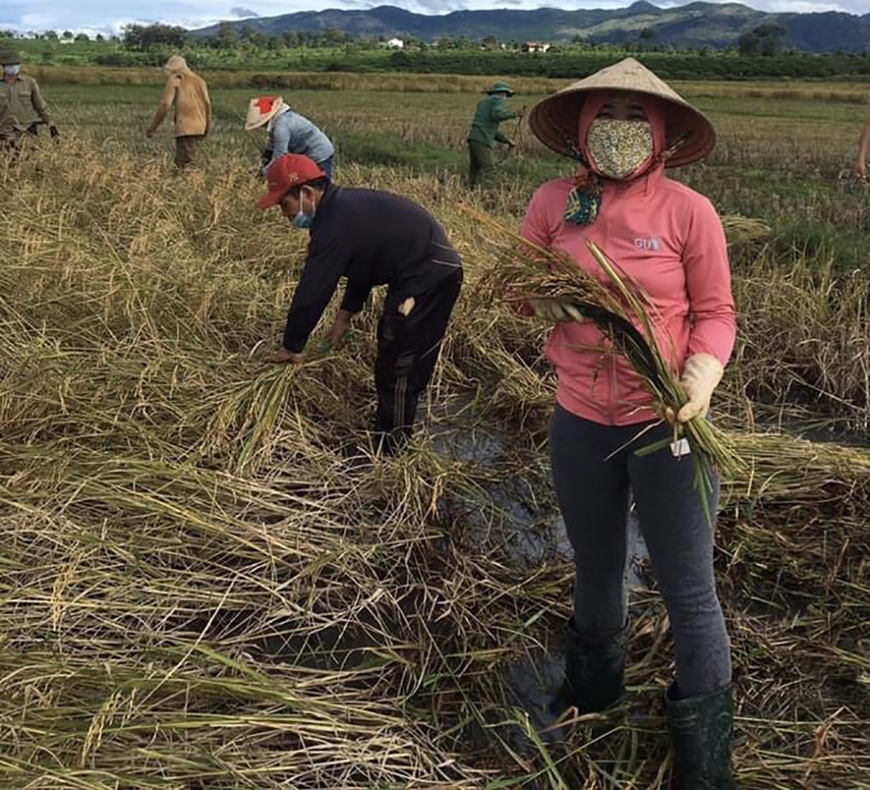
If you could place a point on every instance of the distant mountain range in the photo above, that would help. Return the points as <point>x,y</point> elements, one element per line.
<point>694,25</point>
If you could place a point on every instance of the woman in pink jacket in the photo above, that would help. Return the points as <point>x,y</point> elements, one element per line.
<point>625,126</point>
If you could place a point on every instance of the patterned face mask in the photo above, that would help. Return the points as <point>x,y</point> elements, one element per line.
<point>618,148</point>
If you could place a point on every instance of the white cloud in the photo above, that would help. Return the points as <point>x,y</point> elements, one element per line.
<point>790,6</point>
<point>797,7</point>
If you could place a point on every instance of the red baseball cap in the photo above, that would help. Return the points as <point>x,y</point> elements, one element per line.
<point>286,172</point>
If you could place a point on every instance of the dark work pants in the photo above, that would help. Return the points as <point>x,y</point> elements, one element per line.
<point>481,161</point>
<point>11,143</point>
<point>185,149</point>
<point>595,472</point>
<point>408,348</point>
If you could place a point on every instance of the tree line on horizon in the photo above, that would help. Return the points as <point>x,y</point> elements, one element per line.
<point>758,55</point>
<point>765,40</point>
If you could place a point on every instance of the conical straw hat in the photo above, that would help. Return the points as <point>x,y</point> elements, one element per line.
<point>261,110</point>
<point>554,119</point>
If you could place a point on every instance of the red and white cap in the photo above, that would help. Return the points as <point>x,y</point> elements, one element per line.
<point>261,110</point>
<point>286,172</point>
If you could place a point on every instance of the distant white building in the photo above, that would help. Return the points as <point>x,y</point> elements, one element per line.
<point>536,46</point>
<point>396,43</point>
<point>66,41</point>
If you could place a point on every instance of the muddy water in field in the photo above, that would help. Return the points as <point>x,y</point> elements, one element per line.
<point>528,528</point>
<point>526,531</point>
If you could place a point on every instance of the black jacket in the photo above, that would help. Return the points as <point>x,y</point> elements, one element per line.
<point>371,238</point>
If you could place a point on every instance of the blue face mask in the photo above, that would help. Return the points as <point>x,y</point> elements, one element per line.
<point>12,70</point>
<point>302,220</point>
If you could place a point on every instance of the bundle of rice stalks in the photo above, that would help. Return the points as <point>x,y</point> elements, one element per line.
<point>782,469</point>
<point>526,271</point>
<point>741,230</point>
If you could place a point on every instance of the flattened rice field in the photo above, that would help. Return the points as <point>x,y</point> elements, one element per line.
<point>205,580</point>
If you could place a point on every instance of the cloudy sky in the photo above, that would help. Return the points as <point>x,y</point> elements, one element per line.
<point>109,15</point>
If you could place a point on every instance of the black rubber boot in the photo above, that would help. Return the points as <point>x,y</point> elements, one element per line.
<point>594,670</point>
<point>702,732</point>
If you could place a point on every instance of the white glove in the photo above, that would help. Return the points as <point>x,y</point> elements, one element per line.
<point>701,375</point>
<point>556,310</point>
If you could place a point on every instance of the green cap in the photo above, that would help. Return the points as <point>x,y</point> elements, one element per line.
<point>9,57</point>
<point>500,87</point>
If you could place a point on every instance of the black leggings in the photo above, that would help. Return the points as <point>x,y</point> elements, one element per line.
<point>596,473</point>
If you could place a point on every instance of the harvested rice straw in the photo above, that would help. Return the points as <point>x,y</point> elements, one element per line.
<point>527,271</point>
<point>739,229</point>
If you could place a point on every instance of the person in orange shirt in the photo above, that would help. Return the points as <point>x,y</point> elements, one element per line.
<point>187,94</point>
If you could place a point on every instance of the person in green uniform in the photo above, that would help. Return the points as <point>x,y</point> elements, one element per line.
<point>20,101</point>
<point>484,133</point>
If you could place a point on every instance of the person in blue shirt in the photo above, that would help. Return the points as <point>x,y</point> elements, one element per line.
<point>289,133</point>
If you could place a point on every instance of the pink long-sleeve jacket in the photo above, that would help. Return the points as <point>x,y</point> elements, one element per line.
<point>668,239</point>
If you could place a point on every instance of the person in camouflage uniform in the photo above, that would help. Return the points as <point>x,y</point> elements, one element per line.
<point>484,133</point>
<point>21,103</point>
